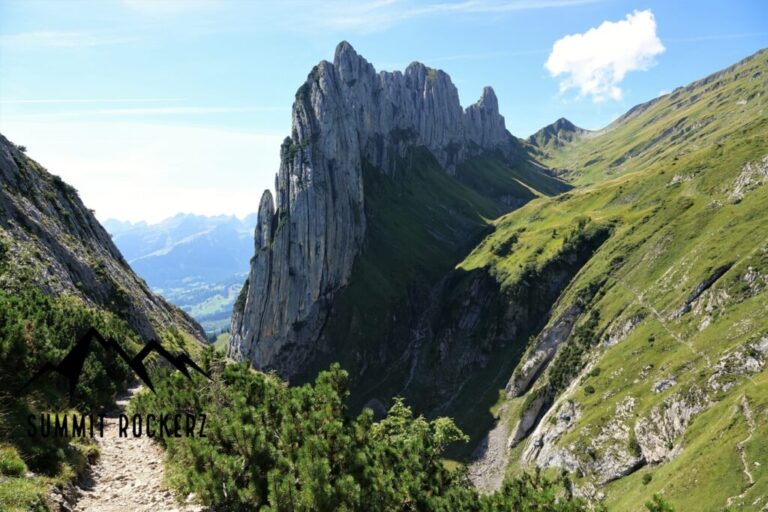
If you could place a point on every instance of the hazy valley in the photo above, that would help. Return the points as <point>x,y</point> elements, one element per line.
<point>196,262</point>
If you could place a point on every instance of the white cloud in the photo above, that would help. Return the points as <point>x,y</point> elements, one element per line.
<point>146,171</point>
<point>597,61</point>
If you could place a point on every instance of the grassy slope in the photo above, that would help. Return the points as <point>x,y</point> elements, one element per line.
<point>222,342</point>
<point>666,129</point>
<point>675,222</point>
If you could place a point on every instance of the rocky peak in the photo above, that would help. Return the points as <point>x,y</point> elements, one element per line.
<point>556,134</point>
<point>349,64</point>
<point>344,114</point>
<point>484,125</point>
<point>266,213</point>
<point>488,100</point>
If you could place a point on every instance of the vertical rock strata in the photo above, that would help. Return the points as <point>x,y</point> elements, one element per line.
<point>306,240</point>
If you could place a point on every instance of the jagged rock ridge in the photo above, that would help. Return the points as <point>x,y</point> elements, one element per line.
<point>345,114</point>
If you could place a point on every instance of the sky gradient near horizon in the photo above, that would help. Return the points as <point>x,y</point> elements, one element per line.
<point>150,108</point>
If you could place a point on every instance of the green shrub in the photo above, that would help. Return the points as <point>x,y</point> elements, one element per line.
<point>569,360</point>
<point>36,329</point>
<point>659,504</point>
<point>647,478</point>
<point>274,447</point>
<point>10,462</point>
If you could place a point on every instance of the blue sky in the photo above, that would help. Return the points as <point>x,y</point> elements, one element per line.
<point>150,108</point>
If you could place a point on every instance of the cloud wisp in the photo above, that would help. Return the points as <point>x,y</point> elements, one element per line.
<point>378,15</point>
<point>66,39</point>
<point>596,62</point>
<point>161,111</point>
<point>33,101</point>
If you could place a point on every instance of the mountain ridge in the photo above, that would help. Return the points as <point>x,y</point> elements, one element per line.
<point>55,242</point>
<point>301,265</point>
<point>373,211</point>
<point>637,383</point>
<point>557,134</point>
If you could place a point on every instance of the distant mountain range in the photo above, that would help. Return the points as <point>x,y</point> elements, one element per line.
<point>196,262</point>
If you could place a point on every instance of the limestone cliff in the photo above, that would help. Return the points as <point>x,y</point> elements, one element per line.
<point>346,115</point>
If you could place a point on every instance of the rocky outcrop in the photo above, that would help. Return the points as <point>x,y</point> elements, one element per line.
<point>543,350</point>
<point>345,115</point>
<point>542,449</point>
<point>658,433</point>
<point>48,237</point>
<point>534,408</point>
<point>617,448</point>
<point>619,455</point>
<point>746,359</point>
<point>619,330</point>
<point>700,289</point>
<point>752,175</point>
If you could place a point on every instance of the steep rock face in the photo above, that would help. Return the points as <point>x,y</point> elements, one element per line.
<point>543,350</point>
<point>345,115</point>
<point>51,239</point>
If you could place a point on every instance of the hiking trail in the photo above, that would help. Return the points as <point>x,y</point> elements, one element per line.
<point>129,474</point>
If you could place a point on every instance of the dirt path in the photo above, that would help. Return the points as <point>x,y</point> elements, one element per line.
<point>741,448</point>
<point>129,473</point>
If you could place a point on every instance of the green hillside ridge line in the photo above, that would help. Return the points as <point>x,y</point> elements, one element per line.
<point>679,214</point>
<point>700,113</point>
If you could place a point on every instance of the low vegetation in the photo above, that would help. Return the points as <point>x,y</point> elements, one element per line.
<point>36,329</point>
<point>274,447</point>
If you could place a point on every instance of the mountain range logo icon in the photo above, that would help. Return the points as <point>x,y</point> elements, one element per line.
<point>72,365</point>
